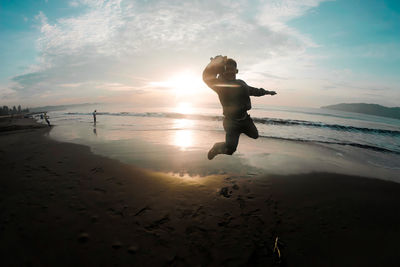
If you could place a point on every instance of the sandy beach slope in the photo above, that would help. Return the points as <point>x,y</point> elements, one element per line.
<point>61,205</point>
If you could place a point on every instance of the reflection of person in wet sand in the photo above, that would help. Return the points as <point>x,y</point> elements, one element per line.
<point>234,95</point>
<point>94,116</point>
<point>95,131</point>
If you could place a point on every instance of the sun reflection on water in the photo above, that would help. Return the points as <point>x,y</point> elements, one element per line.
<point>183,124</point>
<point>183,137</point>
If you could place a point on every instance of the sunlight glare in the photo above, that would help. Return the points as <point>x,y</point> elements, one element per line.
<point>183,136</point>
<point>182,84</point>
<point>183,139</point>
<point>184,108</point>
<point>183,124</point>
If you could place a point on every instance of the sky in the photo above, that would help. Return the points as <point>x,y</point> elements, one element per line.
<point>148,52</point>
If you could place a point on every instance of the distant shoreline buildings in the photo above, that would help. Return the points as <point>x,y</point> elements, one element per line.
<point>5,110</point>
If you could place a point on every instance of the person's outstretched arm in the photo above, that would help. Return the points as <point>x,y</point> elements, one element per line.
<point>212,70</point>
<point>259,91</point>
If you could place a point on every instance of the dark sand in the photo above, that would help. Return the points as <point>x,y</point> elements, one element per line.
<point>61,205</point>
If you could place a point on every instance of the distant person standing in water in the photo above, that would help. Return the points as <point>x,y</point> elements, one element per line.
<point>234,95</point>
<point>94,116</point>
<point>46,118</point>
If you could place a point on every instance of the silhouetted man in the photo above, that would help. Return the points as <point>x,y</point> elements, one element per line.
<point>94,116</point>
<point>234,95</point>
<point>46,118</point>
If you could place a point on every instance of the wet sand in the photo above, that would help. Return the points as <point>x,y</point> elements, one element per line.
<point>61,205</point>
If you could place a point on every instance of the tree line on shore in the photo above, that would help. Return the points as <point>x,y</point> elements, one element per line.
<point>5,110</point>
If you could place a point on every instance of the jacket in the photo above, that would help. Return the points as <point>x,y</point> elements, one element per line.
<point>234,95</point>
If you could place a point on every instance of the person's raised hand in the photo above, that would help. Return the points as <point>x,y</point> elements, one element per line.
<point>219,59</point>
<point>218,63</point>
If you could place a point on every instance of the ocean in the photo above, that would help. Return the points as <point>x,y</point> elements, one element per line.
<point>176,139</point>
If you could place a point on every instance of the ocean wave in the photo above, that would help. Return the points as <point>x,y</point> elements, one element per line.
<point>264,121</point>
<point>337,127</point>
<point>364,146</point>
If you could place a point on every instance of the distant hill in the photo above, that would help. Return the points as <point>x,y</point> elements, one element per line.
<point>370,109</point>
<point>57,108</point>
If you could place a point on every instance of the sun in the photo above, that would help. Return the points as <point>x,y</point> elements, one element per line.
<point>183,83</point>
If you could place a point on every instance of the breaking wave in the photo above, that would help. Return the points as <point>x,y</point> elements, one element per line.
<point>265,121</point>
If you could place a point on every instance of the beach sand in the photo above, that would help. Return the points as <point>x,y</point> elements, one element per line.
<point>61,205</point>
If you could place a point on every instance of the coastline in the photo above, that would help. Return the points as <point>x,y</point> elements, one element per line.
<point>62,205</point>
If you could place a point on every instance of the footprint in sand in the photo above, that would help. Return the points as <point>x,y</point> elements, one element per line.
<point>94,218</point>
<point>100,190</point>
<point>225,192</point>
<point>241,202</point>
<point>116,212</point>
<point>185,213</point>
<point>198,212</point>
<point>142,210</point>
<point>228,218</point>
<point>156,224</point>
<point>116,245</point>
<point>133,249</point>
<point>83,237</point>
<point>97,169</point>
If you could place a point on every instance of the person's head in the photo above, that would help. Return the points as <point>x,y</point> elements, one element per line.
<point>230,70</point>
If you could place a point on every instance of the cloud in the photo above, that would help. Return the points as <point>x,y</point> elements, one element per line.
<point>70,85</point>
<point>7,93</point>
<point>379,51</point>
<point>114,41</point>
<point>41,17</point>
<point>277,12</point>
<point>119,87</point>
<point>74,3</point>
<point>29,78</point>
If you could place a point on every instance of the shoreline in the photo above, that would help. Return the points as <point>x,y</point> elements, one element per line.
<point>184,152</point>
<point>10,124</point>
<point>63,205</point>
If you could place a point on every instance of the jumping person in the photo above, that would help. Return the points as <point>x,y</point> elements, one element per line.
<point>234,95</point>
